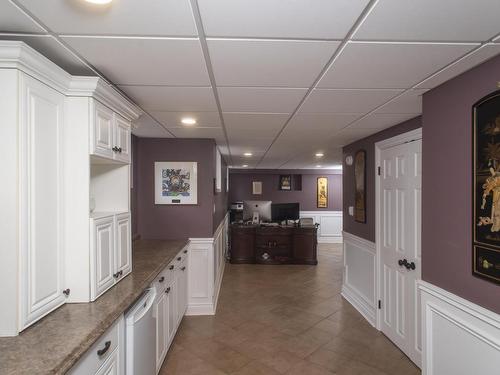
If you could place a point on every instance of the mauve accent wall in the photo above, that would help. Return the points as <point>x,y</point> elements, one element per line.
<point>447,185</point>
<point>367,230</point>
<point>169,221</point>
<point>240,187</point>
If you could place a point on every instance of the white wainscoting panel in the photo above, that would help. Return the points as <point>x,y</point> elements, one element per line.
<point>459,337</point>
<point>359,279</point>
<point>206,268</point>
<point>330,225</point>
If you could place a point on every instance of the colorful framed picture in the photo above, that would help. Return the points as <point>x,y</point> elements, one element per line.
<point>176,182</point>
<point>285,182</point>
<point>486,188</point>
<point>360,186</point>
<point>322,192</point>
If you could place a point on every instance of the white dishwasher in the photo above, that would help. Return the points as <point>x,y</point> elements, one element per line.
<point>140,336</point>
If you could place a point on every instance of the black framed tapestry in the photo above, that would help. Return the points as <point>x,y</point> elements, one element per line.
<point>360,186</point>
<point>486,187</point>
<point>285,182</point>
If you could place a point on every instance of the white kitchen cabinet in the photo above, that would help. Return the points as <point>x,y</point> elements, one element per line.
<point>111,255</point>
<point>103,255</point>
<point>160,312</point>
<point>110,134</point>
<point>181,296</point>
<point>172,311</point>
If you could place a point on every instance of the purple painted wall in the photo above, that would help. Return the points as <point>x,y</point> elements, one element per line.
<point>446,185</point>
<point>240,187</point>
<point>367,230</point>
<point>167,221</point>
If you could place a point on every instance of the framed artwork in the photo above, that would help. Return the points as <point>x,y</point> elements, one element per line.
<point>285,182</point>
<point>486,188</point>
<point>257,187</point>
<point>360,186</point>
<point>322,192</point>
<point>176,182</point>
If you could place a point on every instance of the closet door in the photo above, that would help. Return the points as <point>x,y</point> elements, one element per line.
<point>41,113</point>
<point>123,245</point>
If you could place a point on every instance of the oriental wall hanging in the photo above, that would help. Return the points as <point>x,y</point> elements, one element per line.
<point>176,182</point>
<point>360,186</point>
<point>322,192</point>
<point>486,188</point>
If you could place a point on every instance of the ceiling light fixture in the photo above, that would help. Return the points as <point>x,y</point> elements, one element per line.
<point>319,154</point>
<point>99,2</point>
<point>188,121</point>
<point>247,154</point>
<point>245,165</point>
<point>318,166</point>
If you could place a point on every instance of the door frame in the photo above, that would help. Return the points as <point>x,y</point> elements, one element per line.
<point>409,136</point>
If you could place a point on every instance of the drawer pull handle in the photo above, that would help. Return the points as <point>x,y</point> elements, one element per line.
<point>183,268</point>
<point>179,259</point>
<point>171,267</point>
<point>115,149</point>
<point>167,290</point>
<point>162,279</point>
<point>66,292</point>
<point>103,351</point>
<point>185,251</point>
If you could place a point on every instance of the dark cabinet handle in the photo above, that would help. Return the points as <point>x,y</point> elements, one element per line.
<point>120,150</point>
<point>103,351</point>
<point>115,149</point>
<point>167,290</point>
<point>179,259</point>
<point>171,267</point>
<point>162,279</point>
<point>402,262</point>
<point>183,268</point>
<point>411,266</point>
<point>66,292</point>
<point>185,251</point>
<point>118,274</point>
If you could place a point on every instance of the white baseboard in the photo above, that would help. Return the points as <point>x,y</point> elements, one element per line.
<point>330,225</point>
<point>459,337</point>
<point>359,277</point>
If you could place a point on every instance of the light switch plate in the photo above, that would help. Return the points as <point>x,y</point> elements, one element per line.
<point>351,210</point>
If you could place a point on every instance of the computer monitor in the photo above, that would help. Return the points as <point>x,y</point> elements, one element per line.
<point>285,211</point>
<point>262,207</point>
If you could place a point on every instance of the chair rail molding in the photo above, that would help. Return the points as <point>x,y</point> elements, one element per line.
<point>206,268</point>
<point>359,277</point>
<point>473,330</point>
<point>330,225</point>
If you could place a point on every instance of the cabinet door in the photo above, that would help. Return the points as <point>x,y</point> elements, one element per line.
<point>111,366</point>
<point>41,188</point>
<point>161,311</point>
<point>181,296</point>
<point>123,245</point>
<point>122,139</point>
<point>102,256</point>
<point>102,131</point>
<point>172,310</point>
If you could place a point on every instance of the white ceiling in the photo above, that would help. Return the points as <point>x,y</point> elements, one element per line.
<point>282,80</point>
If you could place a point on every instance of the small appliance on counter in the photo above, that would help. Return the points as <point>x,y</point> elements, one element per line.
<point>236,213</point>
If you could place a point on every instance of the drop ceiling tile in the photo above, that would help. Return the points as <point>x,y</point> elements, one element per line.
<point>317,125</point>
<point>185,132</point>
<point>125,17</point>
<point>52,49</point>
<point>323,19</point>
<point>389,65</point>
<point>139,61</point>
<point>146,127</point>
<point>271,63</point>
<point>408,103</point>
<point>14,20</point>
<point>175,99</point>
<point>260,99</point>
<point>431,20</point>
<point>380,121</point>
<point>173,119</point>
<point>350,135</point>
<point>354,101</point>
<point>482,54</point>
<point>258,124</point>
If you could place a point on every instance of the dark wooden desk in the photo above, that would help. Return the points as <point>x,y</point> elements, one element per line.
<point>282,244</point>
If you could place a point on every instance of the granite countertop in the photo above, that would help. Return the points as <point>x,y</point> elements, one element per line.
<point>55,343</point>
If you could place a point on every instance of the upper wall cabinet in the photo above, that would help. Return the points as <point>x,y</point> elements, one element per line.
<point>65,152</point>
<point>110,134</point>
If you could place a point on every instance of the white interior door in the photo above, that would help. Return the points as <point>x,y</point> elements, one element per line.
<point>400,253</point>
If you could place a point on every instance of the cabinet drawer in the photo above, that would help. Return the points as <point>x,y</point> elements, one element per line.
<point>91,362</point>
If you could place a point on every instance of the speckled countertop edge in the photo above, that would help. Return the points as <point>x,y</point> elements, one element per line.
<point>31,353</point>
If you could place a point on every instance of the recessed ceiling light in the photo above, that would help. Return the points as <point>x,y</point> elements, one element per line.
<point>245,165</point>
<point>319,154</point>
<point>247,154</point>
<point>318,166</point>
<point>99,2</point>
<point>188,121</point>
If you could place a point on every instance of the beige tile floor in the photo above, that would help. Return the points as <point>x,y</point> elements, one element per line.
<point>284,320</point>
